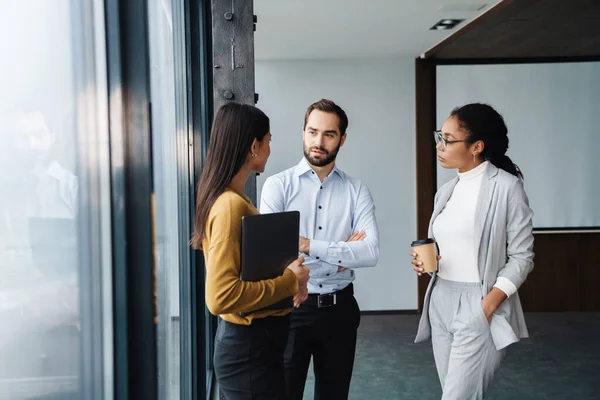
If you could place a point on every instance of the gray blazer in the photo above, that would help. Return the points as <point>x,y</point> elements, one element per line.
<point>504,239</point>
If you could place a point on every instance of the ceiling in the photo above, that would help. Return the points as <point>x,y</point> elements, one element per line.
<point>528,29</point>
<point>340,29</point>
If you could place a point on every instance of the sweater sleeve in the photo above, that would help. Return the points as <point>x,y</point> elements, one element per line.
<point>227,294</point>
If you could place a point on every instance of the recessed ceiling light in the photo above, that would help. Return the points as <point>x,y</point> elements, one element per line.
<point>445,24</point>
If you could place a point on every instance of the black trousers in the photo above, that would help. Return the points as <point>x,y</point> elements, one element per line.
<point>248,360</point>
<point>329,336</point>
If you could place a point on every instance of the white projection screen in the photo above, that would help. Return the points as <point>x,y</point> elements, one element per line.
<point>552,112</point>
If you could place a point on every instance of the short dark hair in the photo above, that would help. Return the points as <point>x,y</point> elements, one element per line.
<point>328,106</point>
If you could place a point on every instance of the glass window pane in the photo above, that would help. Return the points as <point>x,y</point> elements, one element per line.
<point>171,177</point>
<point>54,200</point>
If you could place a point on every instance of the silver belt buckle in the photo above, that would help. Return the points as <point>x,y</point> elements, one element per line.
<point>322,304</point>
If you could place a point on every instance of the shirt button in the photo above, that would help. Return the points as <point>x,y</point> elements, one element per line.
<point>320,228</point>
<point>320,207</point>
<point>321,187</point>
<point>313,172</point>
<point>327,274</point>
<point>317,258</point>
<point>320,285</point>
<point>340,261</point>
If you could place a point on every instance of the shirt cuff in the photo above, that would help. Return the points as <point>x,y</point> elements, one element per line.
<point>314,266</point>
<point>506,286</point>
<point>318,249</point>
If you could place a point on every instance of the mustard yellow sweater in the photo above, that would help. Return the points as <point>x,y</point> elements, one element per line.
<point>226,294</point>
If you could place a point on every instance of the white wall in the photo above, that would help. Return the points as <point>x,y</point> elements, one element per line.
<point>551,111</point>
<point>378,96</point>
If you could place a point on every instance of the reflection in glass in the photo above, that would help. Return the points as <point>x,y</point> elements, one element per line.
<point>170,170</point>
<point>42,231</point>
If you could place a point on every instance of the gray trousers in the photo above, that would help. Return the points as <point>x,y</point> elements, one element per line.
<point>465,356</point>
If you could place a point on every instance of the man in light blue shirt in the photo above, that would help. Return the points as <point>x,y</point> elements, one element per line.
<point>338,233</point>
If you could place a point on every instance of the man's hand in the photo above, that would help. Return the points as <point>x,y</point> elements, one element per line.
<point>304,245</point>
<point>356,237</point>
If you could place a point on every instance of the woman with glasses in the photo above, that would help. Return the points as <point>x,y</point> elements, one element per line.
<point>482,225</point>
<point>250,339</point>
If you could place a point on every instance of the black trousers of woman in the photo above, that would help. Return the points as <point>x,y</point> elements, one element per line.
<point>248,360</point>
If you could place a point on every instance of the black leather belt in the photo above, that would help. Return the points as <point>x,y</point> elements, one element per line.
<point>330,299</point>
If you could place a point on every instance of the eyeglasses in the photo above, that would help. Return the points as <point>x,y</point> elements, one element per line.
<point>445,142</point>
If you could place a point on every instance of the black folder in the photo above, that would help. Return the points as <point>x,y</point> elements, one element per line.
<point>269,245</point>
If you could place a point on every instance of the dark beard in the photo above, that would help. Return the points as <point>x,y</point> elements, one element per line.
<point>329,157</point>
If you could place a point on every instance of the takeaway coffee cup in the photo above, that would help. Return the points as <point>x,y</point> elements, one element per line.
<point>426,250</point>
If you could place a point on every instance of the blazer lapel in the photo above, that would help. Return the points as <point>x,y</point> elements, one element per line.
<point>481,210</point>
<point>441,202</point>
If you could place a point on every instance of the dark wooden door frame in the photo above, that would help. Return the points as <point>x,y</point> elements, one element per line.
<point>425,85</point>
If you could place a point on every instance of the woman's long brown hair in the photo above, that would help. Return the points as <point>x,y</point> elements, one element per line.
<point>234,129</point>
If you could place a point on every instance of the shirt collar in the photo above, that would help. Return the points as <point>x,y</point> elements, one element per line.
<point>54,170</point>
<point>303,167</point>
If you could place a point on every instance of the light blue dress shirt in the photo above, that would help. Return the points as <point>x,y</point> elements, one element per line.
<point>330,212</point>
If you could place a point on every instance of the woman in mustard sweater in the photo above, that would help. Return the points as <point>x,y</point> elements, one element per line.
<point>249,344</point>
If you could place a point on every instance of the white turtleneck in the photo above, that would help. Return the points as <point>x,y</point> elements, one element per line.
<point>454,231</point>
